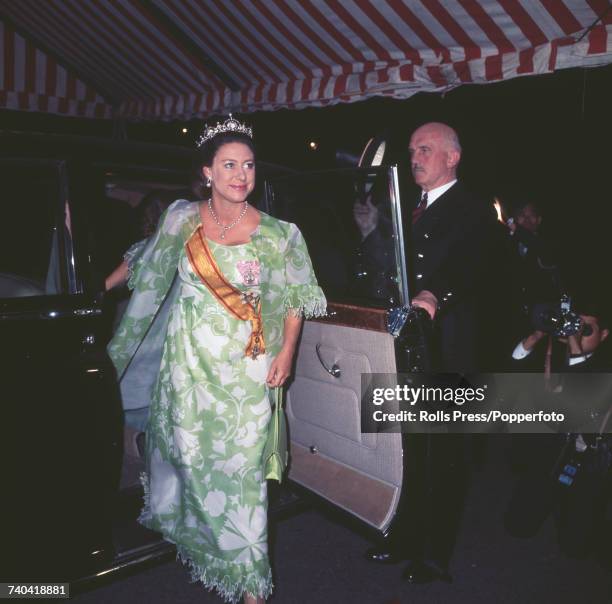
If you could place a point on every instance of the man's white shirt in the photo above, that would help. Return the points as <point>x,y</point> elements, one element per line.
<point>520,352</point>
<point>437,192</point>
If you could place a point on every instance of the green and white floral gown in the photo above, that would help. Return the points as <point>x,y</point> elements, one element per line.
<point>210,407</point>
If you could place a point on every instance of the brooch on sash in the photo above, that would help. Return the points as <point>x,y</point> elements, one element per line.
<point>242,306</point>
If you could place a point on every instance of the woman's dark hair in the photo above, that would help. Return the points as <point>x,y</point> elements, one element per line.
<point>209,149</point>
<point>150,209</point>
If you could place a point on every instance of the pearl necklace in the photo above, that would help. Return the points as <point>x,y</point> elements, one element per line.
<point>231,225</point>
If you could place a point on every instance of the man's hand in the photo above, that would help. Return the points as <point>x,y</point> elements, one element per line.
<point>531,340</point>
<point>426,300</point>
<point>574,344</point>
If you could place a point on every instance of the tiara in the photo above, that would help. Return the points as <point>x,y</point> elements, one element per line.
<point>229,125</point>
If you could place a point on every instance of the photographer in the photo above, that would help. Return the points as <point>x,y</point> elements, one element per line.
<point>568,474</point>
<point>577,336</point>
<point>534,275</point>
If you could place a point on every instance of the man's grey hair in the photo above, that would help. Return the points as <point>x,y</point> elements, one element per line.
<point>453,140</point>
<point>448,134</point>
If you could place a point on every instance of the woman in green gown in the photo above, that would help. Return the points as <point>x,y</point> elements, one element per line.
<point>230,286</point>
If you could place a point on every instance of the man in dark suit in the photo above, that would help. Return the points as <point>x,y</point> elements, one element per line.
<point>534,272</point>
<point>578,500</point>
<point>453,239</point>
<point>453,235</point>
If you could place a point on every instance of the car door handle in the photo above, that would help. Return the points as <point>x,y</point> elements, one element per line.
<point>334,371</point>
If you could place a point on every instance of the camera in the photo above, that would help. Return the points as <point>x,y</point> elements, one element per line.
<point>557,319</point>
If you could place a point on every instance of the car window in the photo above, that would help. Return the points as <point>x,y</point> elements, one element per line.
<point>33,240</point>
<point>118,218</point>
<point>347,220</point>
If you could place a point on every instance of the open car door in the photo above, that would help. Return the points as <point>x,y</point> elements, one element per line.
<point>351,221</point>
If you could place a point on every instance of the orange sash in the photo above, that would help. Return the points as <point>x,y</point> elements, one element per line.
<point>203,263</point>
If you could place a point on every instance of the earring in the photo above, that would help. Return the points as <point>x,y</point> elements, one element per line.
<point>208,181</point>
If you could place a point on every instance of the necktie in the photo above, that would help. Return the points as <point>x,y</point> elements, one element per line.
<point>418,211</point>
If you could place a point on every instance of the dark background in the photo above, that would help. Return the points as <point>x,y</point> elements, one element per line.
<point>543,138</point>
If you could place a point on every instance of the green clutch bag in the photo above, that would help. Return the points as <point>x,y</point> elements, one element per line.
<point>275,453</point>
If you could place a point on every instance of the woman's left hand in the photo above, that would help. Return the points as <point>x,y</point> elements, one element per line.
<point>280,369</point>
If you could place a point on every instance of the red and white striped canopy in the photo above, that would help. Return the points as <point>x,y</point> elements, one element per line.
<point>177,59</point>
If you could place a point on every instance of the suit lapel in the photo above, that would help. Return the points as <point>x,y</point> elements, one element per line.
<point>438,211</point>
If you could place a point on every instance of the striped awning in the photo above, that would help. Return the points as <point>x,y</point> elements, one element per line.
<point>178,59</point>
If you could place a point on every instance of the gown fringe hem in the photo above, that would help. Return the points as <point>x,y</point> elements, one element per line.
<point>211,577</point>
<point>217,579</point>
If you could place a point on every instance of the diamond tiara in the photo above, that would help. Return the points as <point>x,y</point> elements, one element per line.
<point>229,125</point>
